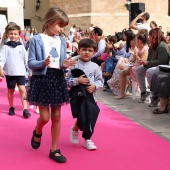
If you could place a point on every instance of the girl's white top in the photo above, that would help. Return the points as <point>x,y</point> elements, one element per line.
<point>52,47</point>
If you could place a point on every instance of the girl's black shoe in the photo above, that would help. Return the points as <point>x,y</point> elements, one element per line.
<point>59,159</point>
<point>34,144</point>
<point>11,111</point>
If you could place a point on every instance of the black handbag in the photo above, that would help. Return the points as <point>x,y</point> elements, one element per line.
<point>164,68</point>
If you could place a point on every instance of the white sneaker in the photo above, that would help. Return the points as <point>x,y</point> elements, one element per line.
<point>37,111</point>
<point>89,145</point>
<point>74,136</point>
<point>31,106</point>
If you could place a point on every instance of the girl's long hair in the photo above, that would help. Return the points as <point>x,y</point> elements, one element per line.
<point>130,36</point>
<point>55,14</point>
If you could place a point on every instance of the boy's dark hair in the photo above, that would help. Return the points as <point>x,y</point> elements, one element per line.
<point>14,27</point>
<point>98,31</point>
<point>86,42</point>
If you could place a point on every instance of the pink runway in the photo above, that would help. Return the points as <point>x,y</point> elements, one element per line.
<point>121,143</point>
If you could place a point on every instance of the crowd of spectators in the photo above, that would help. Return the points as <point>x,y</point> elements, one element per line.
<point>124,57</point>
<point>127,56</point>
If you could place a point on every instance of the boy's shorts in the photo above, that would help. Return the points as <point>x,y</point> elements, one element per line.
<point>13,80</point>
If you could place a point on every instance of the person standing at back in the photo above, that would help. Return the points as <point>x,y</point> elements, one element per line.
<point>48,89</point>
<point>143,18</point>
<point>13,66</point>
<point>73,29</point>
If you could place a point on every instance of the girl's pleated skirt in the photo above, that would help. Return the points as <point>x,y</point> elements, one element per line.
<point>48,90</point>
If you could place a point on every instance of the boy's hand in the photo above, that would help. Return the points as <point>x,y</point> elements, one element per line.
<point>47,61</point>
<point>2,72</point>
<point>83,80</point>
<point>91,88</point>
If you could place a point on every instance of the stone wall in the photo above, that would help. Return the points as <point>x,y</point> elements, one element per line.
<point>110,15</point>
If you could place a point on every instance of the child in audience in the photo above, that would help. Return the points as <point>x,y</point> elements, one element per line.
<point>139,53</point>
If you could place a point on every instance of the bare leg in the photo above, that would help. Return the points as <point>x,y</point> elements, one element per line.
<point>11,97</point>
<point>122,93</point>
<point>103,66</point>
<point>75,128</point>
<point>22,91</point>
<point>42,120</point>
<point>55,127</point>
<point>163,104</point>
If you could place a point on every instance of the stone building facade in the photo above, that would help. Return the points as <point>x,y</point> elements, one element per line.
<point>13,11</point>
<point>110,15</point>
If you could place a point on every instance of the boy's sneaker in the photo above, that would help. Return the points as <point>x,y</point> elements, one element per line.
<point>31,106</point>
<point>74,136</point>
<point>37,111</point>
<point>89,145</point>
<point>26,113</point>
<point>11,111</point>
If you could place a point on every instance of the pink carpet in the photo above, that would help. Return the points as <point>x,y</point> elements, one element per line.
<point>122,144</point>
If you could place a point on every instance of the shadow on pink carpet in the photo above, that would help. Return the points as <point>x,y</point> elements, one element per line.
<point>122,144</point>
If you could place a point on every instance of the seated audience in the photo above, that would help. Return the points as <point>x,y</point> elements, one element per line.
<point>158,55</point>
<point>160,84</point>
<point>139,53</point>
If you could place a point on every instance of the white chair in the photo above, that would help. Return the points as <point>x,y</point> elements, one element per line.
<point>134,88</point>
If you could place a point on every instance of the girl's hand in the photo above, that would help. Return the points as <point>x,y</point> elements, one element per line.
<point>47,61</point>
<point>121,46</point>
<point>30,74</point>
<point>136,50</point>
<point>131,51</point>
<point>69,62</point>
<point>144,62</point>
<point>1,79</point>
<point>91,88</point>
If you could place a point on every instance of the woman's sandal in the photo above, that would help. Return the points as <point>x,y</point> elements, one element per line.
<point>34,144</point>
<point>59,159</point>
<point>119,97</point>
<point>158,111</point>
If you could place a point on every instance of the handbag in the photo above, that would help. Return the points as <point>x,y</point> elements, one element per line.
<point>164,68</point>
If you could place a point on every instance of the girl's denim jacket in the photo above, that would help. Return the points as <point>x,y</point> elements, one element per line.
<point>36,55</point>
